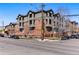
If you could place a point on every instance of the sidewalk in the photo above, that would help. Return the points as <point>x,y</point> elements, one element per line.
<point>46,40</point>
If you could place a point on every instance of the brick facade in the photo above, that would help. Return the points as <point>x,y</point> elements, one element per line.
<point>30,25</point>
<point>10,29</point>
<point>33,23</point>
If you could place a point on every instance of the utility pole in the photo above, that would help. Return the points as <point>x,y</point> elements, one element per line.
<point>3,27</point>
<point>3,23</point>
<point>42,8</point>
<point>42,16</point>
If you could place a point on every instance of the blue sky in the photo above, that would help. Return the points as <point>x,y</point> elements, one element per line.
<point>9,11</point>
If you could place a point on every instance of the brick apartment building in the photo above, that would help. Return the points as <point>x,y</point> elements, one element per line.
<point>10,29</point>
<point>73,26</point>
<point>31,23</point>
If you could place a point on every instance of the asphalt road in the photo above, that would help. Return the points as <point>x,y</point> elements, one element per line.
<point>9,46</point>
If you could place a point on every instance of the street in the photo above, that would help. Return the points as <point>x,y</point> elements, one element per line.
<point>9,46</point>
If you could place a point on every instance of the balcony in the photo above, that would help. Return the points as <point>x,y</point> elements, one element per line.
<point>31,25</point>
<point>31,28</point>
<point>48,28</point>
<point>48,25</point>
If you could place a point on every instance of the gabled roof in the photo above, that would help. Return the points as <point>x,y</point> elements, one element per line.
<point>56,15</point>
<point>11,24</point>
<point>35,12</point>
<point>74,22</point>
<point>20,15</point>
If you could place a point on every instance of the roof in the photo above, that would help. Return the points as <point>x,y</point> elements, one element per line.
<point>35,12</point>
<point>57,14</point>
<point>74,22</point>
<point>11,24</point>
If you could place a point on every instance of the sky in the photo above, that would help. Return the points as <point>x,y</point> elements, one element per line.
<point>9,11</point>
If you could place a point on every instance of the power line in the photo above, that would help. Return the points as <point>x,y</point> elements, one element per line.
<point>72,15</point>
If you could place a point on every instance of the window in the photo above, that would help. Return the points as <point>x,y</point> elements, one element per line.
<point>19,18</point>
<point>46,21</point>
<point>31,28</point>
<point>33,21</point>
<point>50,14</point>
<point>30,15</point>
<point>54,23</point>
<point>57,23</point>
<point>46,14</point>
<point>23,24</point>
<point>12,26</point>
<point>56,29</point>
<point>50,21</point>
<point>22,18</point>
<point>34,15</point>
<point>30,22</point>
<point>19,23</point>
<point>49,29</point>
<point>21,29</point>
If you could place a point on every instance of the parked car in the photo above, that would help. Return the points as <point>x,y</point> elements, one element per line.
<point>14,36</point>
<point>65,37</point>
<point>74,36</point>
<point>1,35</point>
